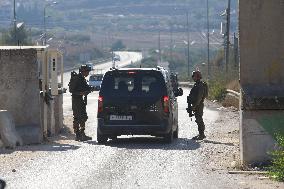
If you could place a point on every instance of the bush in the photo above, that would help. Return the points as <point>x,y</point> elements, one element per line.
<point>217,90</point>
<point>118,46</point>
<point>276,170</point>
<point>80,38</point>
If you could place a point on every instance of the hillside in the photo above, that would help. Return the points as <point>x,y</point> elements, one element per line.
<point>124,15</point>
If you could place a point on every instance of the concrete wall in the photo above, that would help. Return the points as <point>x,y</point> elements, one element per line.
<point>261,24</point>
<point>58,113</point>
<point>19,91</point>
<point>261,28</point>
<point>257,132</point>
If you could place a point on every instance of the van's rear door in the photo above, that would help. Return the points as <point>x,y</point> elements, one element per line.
<point>133,97</point>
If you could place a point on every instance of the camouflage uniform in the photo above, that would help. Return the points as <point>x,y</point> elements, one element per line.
<point>196,98</point>
<point>79,104</point>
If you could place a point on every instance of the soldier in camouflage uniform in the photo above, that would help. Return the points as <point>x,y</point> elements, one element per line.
<point>196,101</point>
<point>80,90</point>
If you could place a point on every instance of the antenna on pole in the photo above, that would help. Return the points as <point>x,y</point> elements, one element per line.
<point>171,43</point>
<point>15,24</point>
<point>187,26</point>
<point>160,58</point>
<point>228,35</point>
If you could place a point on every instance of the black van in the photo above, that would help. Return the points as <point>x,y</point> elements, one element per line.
<point>137,101</point>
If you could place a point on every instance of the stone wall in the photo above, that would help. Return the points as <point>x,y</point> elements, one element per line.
<point>19,89</point>
<point>261,30</point>
<point>261,42</point>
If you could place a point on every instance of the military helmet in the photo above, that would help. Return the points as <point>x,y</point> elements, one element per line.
<point>85,67</point>
<point>198,74</point>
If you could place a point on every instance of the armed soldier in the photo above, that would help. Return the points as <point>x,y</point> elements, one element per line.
<point>80,89</point>
<point>195,102</point>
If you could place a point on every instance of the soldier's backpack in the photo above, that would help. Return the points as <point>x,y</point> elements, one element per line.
<point>72,82</point>
<point>205,89</point>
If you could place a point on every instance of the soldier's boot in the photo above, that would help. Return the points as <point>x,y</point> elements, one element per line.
<point>77,136</point>
<point>77,131</point>
<point>201,132</point>
<point>84,137</point>
<point>201,135</point>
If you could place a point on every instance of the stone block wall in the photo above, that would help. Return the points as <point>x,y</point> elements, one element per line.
<point>19,90</point>
<point>261,31</point>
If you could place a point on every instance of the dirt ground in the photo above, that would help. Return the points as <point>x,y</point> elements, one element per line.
<point>220,150</point>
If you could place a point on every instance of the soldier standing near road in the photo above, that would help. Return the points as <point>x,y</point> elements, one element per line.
<point>195,102</point>
<point>80,89</point>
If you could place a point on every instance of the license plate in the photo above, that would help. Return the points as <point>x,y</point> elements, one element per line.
<point>120,118</point>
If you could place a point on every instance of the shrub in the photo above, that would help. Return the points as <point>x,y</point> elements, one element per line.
<point>217,90</point>
<point>276,170</point>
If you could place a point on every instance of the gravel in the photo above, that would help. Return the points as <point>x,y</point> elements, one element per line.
<point>135,162</point>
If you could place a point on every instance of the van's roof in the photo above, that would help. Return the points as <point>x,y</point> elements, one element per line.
<point>139,69</point>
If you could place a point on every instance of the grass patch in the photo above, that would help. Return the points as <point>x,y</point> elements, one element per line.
<point>276,170</point>
<point>217,90</point>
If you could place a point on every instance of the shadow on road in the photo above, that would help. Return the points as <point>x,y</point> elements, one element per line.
<point>2,184</point>
<point>53,146</point>
<point>152,143</point>
<point>215,142</point>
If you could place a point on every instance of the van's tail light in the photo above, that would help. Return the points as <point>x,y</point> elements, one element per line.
<point>166,104</point>
<point>100,104</point>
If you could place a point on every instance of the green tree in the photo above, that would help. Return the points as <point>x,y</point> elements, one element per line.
<point>118,45</point>
<point>16,37</point>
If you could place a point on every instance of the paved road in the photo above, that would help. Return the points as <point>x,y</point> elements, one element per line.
<point>129,162</point>
<point>126,58</point>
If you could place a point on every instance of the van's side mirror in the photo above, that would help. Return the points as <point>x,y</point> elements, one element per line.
<point>178,92</point>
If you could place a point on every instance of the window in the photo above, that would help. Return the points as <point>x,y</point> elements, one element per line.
<point>96,78</point>
<point>140,84</point>
<point>125,84</point>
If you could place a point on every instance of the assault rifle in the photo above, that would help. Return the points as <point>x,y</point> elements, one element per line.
<point>189,107</point>
<point>91,89</point>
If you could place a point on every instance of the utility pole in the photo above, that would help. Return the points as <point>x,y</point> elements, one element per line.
<point>112,53</point>
<point>236,50</point>
<point>44,25</point>
<point>208,41</point>
<point>171,45</point>
<point>187,26</point>
<point>159,46</point>
<point>44,18</point>
<point>15,24</point>
<point>228,35</point>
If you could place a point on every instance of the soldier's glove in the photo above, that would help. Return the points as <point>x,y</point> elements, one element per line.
<point>85,93</point>
<point>92,89</point>
<point>189,112</point>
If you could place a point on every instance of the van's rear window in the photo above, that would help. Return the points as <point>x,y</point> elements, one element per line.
<point>96,78</point>
<point>133,84</point>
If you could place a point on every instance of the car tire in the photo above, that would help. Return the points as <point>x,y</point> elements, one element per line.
<point>101,139</point>
<point>168,138</point>
<point>176,133</point>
